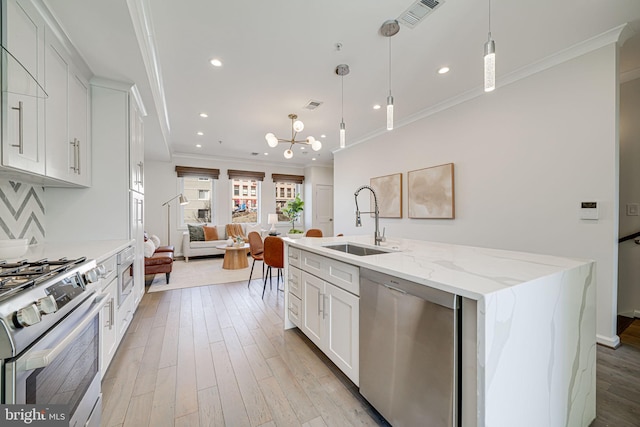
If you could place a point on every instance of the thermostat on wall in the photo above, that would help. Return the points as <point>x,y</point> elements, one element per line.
<point>589,210</point>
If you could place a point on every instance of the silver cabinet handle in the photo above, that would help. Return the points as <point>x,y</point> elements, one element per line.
<point>325,298</point>
<point>78,156</point>
<point>75,155</point>
<point>112,315</point>
<point>20,143</point>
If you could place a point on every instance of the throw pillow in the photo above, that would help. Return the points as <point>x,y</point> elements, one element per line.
<point>210,233</point>
<point>156,240</point>
<point>149,248</point>
<point>196,233</point>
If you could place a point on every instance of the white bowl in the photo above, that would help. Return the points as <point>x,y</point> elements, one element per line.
<point>13,248</point>
<point>4,243</point>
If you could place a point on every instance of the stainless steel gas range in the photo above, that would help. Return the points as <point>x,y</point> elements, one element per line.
<point>49,336</point>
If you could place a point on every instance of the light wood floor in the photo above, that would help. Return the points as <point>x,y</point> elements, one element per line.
<point>217,355</point>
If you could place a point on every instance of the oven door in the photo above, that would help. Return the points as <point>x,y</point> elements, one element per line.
<point>63,366</point>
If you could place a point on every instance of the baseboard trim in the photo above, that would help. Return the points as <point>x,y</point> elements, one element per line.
<point>611,342</point>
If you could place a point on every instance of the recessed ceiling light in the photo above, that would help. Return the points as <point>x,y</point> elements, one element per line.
<point>204,115</point>
<point>323,136</point>
<point>198,145</point>
<point>314,159</point>
<point>302,148</point>
<point>216,62</point>
<point>376,107</point>
<point>200,133</point>
<point>443,70</point>
<point>266,154</point>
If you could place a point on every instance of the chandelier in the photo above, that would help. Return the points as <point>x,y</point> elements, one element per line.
<point>296,126</point>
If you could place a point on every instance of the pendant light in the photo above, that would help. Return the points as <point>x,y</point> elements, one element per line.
<point>389,29</point>
<point>342,70</point>
<point>489,60</point>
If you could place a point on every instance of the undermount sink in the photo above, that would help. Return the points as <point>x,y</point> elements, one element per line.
<point>352,249</point>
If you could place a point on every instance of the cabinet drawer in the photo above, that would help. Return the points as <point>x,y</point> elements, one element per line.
<point>110,266</point>
<point>295,281</point>
<point>295,309</point>
<point>343,275</point>
<point>294,257</point>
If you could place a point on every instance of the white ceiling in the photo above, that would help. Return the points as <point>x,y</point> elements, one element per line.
<point>279,54</point>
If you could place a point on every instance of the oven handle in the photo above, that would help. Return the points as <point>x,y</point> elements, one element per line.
<point>42,358</point>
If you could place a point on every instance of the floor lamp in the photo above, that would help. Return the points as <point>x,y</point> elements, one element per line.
<point>183,201</point>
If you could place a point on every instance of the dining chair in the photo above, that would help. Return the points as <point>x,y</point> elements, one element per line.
<point>274,258</point>
<point>313,232</point>
<point>256,248</point>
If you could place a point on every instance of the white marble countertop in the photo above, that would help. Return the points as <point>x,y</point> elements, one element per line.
<point>94,249</point>
<point>471,272</point>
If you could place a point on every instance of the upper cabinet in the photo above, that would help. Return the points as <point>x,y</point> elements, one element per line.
<point>22,94</point>
<point>45,100</point>
<point>136,141</point>
<point>68,148</point>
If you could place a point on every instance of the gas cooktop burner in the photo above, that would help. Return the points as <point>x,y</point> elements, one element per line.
<point>17,276</point>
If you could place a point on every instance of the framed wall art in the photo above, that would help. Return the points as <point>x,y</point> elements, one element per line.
<point>389,191</point>
<point>431,192</point>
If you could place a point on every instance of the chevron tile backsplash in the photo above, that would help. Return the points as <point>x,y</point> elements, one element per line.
<point>21,211</point>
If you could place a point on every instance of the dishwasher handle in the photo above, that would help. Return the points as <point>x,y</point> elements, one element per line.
<point>407,287</point>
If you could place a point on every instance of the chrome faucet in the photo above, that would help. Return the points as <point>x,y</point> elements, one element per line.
<point>376,237</point>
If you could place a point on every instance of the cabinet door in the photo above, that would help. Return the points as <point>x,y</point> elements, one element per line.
<point>137,233</point>
<point>108,334</point>
<point>136,147</point>
<point>342,330</point>
<point>312,312</point>
<point>23,101</point>
<point>79,129</point>
<point>60,150</point>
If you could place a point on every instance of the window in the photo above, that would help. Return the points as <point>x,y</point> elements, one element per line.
<point>290,189</point>
<point>236,190</point>
<point>198,191</point>
<point>245,206</point>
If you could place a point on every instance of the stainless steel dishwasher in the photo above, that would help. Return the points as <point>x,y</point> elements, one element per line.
<point>409,344</point>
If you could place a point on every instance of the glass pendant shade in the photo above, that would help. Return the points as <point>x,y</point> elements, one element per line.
<point>343,136</point>
<point>271,140</point>
<point>288,154</point>
<point>298,126</point>
<point>489,65</point>
<point>390,112</point>
<point>316,145</point>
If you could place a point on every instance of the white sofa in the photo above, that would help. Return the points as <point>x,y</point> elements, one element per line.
<point>204,248</point>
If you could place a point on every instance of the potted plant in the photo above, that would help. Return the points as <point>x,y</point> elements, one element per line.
<point>292,210</point>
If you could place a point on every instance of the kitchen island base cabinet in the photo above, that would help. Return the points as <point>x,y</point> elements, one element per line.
<point>331,321</point>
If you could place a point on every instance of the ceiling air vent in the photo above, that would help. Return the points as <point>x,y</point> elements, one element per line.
<point>312,105</point>
<point>418,11</point>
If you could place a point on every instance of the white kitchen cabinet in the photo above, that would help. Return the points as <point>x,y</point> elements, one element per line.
<point>23,142</point>
<point>137,233</point>
<point>68,146</point>
<point>108,331</point>
<point>329,317</point>
<point>136,160</point>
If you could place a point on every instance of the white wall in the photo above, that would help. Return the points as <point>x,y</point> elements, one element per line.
<point>629,255</point>
<point>525,157</point>
<point>162,184</point>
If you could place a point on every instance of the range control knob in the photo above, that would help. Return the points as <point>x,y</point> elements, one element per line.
<point>27,316</point>
<point>92,275</point>
<point>102,271</point>
<point>47,305</point>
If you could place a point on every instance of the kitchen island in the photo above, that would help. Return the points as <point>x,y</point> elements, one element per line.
<point>528,323</point>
